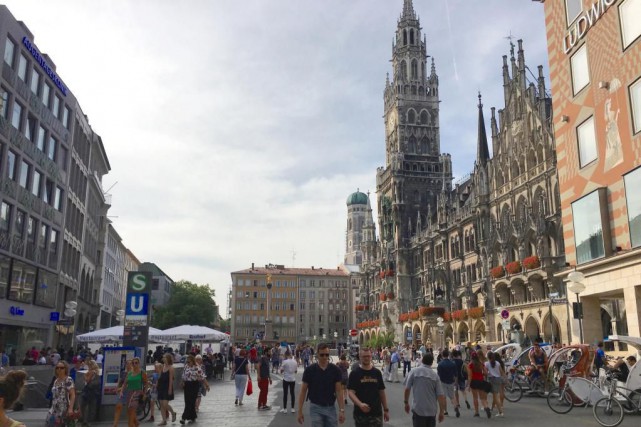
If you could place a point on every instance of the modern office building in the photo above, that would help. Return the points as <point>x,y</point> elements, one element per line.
<point>114,282</point>
<point>160,286</point>
<point>594,49</point>
<point>53,208</point>
<point>303,304</point>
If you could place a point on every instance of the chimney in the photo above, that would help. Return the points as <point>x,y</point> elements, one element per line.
<point>252,265</point>
<point>312,267</point>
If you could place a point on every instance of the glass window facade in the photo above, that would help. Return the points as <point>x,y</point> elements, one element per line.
<point>633,199</point>
<point>572,9</point>
<point>588,231</point>
<point>9,52</point>
<point>5,216</point>
<point>44,96</point>
<point>629,13</point>
<point>22,68</point>
<point>580,69</point>
<point>16,117</point>
<point>35,82</point>
<point>23,282</point>
<point>46,289</point>
<point>635,103</point>
<point>586,138</point>
<point>5,263</point>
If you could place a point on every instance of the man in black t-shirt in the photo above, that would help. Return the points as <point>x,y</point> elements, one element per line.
<point>367,390</point>
<point>448,374</point>
<point>323,382</point>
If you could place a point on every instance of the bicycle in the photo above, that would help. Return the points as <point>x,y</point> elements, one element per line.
<point>518,379</point>
<point>610,410</point>
<point>144,406</point>
<point>576,391</point>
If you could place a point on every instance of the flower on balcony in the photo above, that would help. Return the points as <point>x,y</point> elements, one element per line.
<point>532,262</point>
<point>414,315</point>
<point>476,312</point>
<point>383,297</point>
<point>513,267</point>
<point>377,322</point>
<point>389,273</point>
<point>382,274</point>
<point>497,272</point>
<point>390,295</point>
<point>431,311</point>
<point>403,317</point>
<point>447,316</point>
<point>459,315</point>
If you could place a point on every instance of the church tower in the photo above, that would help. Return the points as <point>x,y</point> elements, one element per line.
<point>357,216</point>
<point>415,169</point>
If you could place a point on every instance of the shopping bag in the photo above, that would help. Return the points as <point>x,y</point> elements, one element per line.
<point>250,389</point>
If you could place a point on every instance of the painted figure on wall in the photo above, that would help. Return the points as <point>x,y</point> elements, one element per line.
<point>613,148</point>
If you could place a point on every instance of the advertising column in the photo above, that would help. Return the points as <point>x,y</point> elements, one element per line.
<point>137,306</point>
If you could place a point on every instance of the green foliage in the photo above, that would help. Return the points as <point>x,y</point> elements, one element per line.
<point>189,304</point>
<point>384,339</point>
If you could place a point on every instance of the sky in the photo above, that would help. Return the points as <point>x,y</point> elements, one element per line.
<point>236,129</point>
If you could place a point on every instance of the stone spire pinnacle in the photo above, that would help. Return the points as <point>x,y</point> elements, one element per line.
<point>408,10</point>
<point>482,151</point>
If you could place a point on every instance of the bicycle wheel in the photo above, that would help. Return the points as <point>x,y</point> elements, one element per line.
<point>631,403</point>
<point>538,387</point>
<point>559,401</point>
<point>513,391</point>
<point>608,412</point>
<point>143,409</point>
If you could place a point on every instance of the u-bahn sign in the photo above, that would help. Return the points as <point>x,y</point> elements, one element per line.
<point>137,310</point>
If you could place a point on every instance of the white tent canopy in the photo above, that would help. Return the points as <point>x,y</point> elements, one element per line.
<point>191,332</point>
<point>113,334</point>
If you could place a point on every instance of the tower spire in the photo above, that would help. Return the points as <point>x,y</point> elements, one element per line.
<point>482,152</point>
<point>408,10</point>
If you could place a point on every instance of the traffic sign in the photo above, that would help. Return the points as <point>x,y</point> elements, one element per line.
<point>505,324</point>
<point>505,314</point>
<point>353,332</point>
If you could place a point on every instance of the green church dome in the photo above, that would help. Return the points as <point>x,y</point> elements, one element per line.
<point>357,198</point>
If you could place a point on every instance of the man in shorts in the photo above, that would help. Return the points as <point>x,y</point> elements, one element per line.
<point>448,375</point>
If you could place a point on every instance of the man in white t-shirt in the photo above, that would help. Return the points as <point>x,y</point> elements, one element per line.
<point>407,359</point>
<point>288,368</point>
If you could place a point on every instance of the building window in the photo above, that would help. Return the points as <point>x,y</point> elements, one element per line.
<point>23,281</point>
<point>30,129</point>
<point>44,96</point>
<point>24,174</point>
<point>4,109</point>
<point>57,199</point>
<point>586,138</point>
<point>35,82</point>
<point>56,106</point>
<point>630,26</point>
<point>580,69</point>
<point>5,216</point>
<point>51,148</point>
<point>22,68</point>
<point>588,231</point>
<point>9,50</point>
<point>41,139</point>
<point>573,9</point>
<point>46,290</point>
<point>635,101</point>
<point>65,117</point>
<point>4,275</point>
<point>19,225</point>
<point>11,165</point>
<point>35,183</point>
<point>16,117</point>
<point>633,200</point>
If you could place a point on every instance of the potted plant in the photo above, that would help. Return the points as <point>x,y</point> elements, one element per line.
<point>532,262</point>
<point>382,274</point>
<point>414,315</point>
<point>389,273</point>
<point>459,314</point>
<point>497,272</point>
<point>513,267</point>
<point>447,316</point>
<point>476,312</point>
<point>383,297</point>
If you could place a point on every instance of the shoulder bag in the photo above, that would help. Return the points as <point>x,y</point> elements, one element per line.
<point>250,389</point>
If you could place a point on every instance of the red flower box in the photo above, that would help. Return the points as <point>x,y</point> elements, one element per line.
<point>476,312</point>
<point>403,317</point>
<point>382,274</point>
<point>532,262</point>
<point>390,295</point>
<point>389,273</point>
<point>431,311</point>
<point>383,297</point>
<point>513,267</point>
<point>497,272</point>
<point>447,316</point>
<point>459,314</point>
<point>414,315</point>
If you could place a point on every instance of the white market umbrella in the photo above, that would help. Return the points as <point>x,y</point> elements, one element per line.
<point>112,334</point>
<point>190,332</point>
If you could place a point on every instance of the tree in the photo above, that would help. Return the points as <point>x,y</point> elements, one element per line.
<point>384,339</point>
<point>188,304</point>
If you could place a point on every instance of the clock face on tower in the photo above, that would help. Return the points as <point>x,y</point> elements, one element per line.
<point>392,121</point>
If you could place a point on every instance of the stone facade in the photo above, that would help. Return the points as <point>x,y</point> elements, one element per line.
<point>464,251</point>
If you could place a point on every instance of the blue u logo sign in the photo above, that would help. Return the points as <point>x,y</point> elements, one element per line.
<point>137,304</point>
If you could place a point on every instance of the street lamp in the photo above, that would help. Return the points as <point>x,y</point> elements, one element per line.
<point>336,340</point>
<point>268,323</point>
<point>576,285</point>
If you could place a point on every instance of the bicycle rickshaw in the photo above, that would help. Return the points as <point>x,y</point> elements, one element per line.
<point>521,379</point>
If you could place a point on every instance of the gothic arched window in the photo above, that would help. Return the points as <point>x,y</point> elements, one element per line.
<point>411,117</point>
<point>403,70</point>
<point>414,69</point>
<point>404,37</point>
<point>424,117</point>
<point>411,36</point>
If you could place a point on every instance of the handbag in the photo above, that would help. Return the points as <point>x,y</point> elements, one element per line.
<point>250,389</point>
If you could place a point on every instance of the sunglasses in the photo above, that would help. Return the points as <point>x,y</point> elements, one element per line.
<point>323,354</point>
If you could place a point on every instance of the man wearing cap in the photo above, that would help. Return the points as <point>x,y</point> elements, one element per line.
<point>426,390</point>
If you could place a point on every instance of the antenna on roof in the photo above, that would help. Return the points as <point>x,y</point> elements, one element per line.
<point>293,258</point>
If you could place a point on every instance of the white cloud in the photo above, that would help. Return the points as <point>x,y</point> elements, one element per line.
<point>236,130</point>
